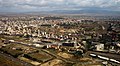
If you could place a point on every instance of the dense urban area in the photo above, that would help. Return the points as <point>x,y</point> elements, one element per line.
<point>74,40</point>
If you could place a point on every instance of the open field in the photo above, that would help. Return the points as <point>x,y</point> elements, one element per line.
<point>8,62</point>
<point>39,56</point>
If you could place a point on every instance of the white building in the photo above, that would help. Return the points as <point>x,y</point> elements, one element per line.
<point>99,47</point>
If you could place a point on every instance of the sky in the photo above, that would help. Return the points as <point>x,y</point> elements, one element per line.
<point>48,5</point>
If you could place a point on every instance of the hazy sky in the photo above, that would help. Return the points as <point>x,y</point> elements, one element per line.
<point>46,5</point>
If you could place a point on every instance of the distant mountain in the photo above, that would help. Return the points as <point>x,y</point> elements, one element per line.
<point>86,11</point>
<point>78,12</point>
<point>83,12</point>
